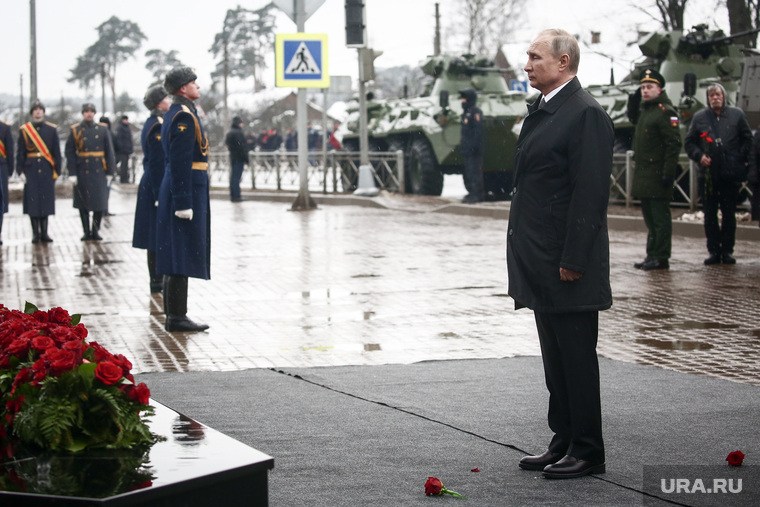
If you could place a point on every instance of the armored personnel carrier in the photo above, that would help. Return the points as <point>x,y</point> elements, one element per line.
<point>427,128</point>
<point>689,63</point>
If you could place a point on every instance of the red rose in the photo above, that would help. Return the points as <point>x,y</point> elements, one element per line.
<point>42,343</point>
<point>40,316</point>
<point>100,353</point>
<point>735,458</point>
<point>59,315</point>
<point>122,361</point>
<point>433,486</point>
<point>108,373</point>
<point>76,347</point>
<point>60,361</point>
<point>18,347</point>
<point>80,330</point>
<point>139,393</point>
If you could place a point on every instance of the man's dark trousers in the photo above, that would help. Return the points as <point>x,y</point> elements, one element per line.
<point>473,174</point>
<point>723,196</point>
<point>235,175</point>
<point>659,222</point>
<point>568,348</point>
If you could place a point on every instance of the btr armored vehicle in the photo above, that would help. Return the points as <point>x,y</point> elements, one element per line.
<point>427,128</point>
<point>689,63</point>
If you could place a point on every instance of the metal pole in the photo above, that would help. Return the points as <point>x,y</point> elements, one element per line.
<point>303,201</point>
<point>21,100</point>
<point>32,52</point>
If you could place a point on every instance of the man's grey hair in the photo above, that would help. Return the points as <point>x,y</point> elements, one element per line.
<point>563,43</point>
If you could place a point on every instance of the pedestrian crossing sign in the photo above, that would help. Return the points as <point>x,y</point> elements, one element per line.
<point>301,60</point>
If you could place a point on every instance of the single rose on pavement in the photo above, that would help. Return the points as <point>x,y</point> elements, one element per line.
<point>476,469</point>
<point>735,458</point>
<point>434,486</point>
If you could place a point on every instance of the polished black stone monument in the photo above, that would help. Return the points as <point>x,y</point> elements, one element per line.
<point>194,466</point>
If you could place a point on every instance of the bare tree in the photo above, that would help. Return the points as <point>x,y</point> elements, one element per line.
<point>488,24</point>
<point>744,15</point>
<point>669,13</point>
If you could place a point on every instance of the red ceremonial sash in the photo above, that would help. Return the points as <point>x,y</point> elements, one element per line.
<point>3,151</point>
<point>32,134</point>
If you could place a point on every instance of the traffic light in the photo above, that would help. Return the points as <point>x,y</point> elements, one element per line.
<point>356,26</point>
<point>367,63</point>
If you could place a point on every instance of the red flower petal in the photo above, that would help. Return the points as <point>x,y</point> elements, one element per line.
<point>476,469</point>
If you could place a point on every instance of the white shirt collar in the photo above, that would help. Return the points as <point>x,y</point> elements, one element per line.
<point>555,91</point>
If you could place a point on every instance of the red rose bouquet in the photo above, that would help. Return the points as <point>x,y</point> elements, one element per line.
<point>434,487</point>
<point>58,392</point>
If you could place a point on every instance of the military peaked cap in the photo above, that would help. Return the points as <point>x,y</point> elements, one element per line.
<point>88,106</point>
<point>36,104</point>
<point>652,76</point>
<point>154,96</point>
<point>177,78</point>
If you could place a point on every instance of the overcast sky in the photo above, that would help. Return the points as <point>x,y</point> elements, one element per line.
<point>403,29</point>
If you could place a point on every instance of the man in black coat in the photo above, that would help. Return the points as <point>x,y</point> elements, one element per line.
<point>235,141</point>
<point>558,248</point>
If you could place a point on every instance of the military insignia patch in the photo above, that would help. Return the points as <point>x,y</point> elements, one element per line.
<point>181,127</point>
<point>477,117</point>
<point>158,137</point>
<point>674,121</point>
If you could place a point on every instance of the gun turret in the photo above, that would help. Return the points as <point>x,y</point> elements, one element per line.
<point>703,45</point>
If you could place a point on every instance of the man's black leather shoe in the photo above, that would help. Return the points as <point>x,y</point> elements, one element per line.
<point>713,259</point>
<point>655,264</point>
<point>539,462</point>
<point>181,323</point>
<point>727,258</point>
<point>570,468</point>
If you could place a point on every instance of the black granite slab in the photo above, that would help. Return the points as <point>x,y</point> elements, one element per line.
<point>194,466</point>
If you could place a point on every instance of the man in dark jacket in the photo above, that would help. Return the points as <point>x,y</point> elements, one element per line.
<point>719,140</point>
<point>656,146</point>
<point>236,144</point>
<point>124,148</point>
<point>91,162</point>
<point>38,159</point>
<point>183,220</point>
<point>472,146</point>
<point>558,248</point>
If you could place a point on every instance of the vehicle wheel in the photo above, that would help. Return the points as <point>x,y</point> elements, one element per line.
<point>422,174</point>
<point>349,169</point>
<point>498,185</point>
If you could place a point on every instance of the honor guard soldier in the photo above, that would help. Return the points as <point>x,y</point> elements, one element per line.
<point>144,236</point>
<point>38,160</point>
<point>656,146</point>
<point>90,159</point>
<point>183,227</point>
<point>6,168</point>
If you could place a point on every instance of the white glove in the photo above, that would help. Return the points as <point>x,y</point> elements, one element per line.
<point>73,179</point>
<point>185,214</point>
<point>155,204</point>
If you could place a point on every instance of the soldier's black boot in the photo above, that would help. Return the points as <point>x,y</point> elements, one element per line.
<point>156,281</point>
<point>43,231</point>
<point>35,229</point>
<point>96,218</point>
<point>175,297</point>
<point>84,215</point>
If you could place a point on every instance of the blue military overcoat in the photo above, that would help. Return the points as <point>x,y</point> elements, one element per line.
<point>183,247</point>
<point>90,157</point>
<point>144,235</point>
<point>6,162</point>
<point>39,190</point>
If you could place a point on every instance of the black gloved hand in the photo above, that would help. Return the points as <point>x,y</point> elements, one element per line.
<point>632,108</point>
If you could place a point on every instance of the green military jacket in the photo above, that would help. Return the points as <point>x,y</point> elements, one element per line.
<point>656,146</point>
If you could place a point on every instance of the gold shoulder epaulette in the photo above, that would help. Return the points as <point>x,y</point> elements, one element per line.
<point>51,124</point>
<point>75,126</point>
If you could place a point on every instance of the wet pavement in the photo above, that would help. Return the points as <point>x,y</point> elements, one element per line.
<point>395,280</point>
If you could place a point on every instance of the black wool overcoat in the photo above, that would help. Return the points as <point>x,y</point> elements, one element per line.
<point>558,216</point>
